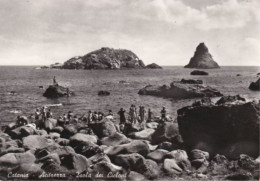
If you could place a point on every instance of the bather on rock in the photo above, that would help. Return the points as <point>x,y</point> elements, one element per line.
<point>121,114</point>
<point>149,119</point>
<point>163,114</point>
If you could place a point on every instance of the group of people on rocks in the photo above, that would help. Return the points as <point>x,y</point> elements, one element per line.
<point>135,116</point>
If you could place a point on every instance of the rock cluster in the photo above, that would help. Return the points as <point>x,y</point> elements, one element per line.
<point>100,150</point>
<point>181,90</point>
<point>202,59</point>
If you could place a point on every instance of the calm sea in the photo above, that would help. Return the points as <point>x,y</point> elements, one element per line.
<point>25,81</point>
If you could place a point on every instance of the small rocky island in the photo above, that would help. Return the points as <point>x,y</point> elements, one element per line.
<point>202,59</point>
<point>183,89</point>
<point>56,91</point>
<point>106,58</point>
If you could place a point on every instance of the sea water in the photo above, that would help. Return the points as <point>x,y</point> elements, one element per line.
<point>21,92</point>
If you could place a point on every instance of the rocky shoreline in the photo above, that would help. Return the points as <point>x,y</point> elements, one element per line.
<point>186,149</point>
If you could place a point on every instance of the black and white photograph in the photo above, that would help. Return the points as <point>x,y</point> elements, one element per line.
<point>129,90</point>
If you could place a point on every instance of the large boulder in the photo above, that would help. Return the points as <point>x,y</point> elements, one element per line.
<point>132,127</point>
<point>202,59</point>
<point>136,146</point>
<point>75,162</point>
<point>80,137</point>
<point>69,130</point>
<point>104,128</point>
<point>157,155</point>
<point>105,58</point>
<point>108,170</point>
<point>34,142</point>
<point>255,86</point>
<point>145,134</point>
<point>136,162</point>
<point>16,159</point>
<point>22,131</point>
<point>181,159</point>
<point>56,91</point>
<point>180,90</point>
<point>12,146</point>
<point>227,129</point>
<point>115,139</point>
<point>167,131</point>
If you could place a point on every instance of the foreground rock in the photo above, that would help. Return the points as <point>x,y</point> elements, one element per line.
<point>255,85</point>
<point>56,91</point>
<point>165,132</point>
<point>105,58</point>
<point>104,128</point>
<point>180,90</point>
<point>227,129</point>
<point>202,59</point>
<point>136,146</point>
<point>153,66</point>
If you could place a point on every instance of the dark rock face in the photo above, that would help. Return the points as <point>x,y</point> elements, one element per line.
<point>103,93</point>
<point>56,91</point>
<point>153,66</point>
<point>228,129</point>
<point>202,58</point>
<point>105,58</point>
<point>180,90</point>
<point>255,85</point>
<point>199,72</point>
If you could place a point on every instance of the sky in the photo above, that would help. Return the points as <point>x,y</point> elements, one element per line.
<point>42,32</point>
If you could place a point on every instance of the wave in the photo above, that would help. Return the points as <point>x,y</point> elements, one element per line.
<point>53,105</point>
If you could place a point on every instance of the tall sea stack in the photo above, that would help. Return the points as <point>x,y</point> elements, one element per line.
<point>202,59</point>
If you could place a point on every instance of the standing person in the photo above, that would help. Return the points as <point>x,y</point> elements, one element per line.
<point>37,115</point>
<point>131,114</point>
<point>90,116</point>
<point>95,116</point>
<point>149,119</point>
<point>43,114</point>
<point>54,81</point>
<point>142,114</point>
<point>134,115</point>
<point>110,113</point>
<point>163,114</point>
<point>70,114</point>
<point>121,114</point>
<point>49,114</point>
